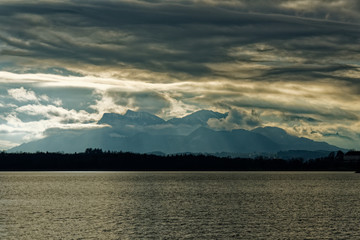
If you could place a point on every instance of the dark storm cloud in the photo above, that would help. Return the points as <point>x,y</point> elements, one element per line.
<point>308,72</point>
<point>337,135</point>
<point>181,37</point>
<point>296,118</point>
<point>295,108</point>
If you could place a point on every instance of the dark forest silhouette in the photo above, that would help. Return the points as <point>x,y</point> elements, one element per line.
<point>96,159</point>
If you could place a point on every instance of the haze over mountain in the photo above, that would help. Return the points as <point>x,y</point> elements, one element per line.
<point>143,132</point>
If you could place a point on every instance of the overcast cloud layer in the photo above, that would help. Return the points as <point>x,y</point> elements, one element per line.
<point>292,64</point>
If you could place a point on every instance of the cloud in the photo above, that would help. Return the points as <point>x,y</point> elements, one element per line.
<point>4,144</point>
<point>51,111</point>
<point>297,118</point>
<point>22,95</point>
<point>34,113</point>
<point>178,39</point>
<point>236,119</point>
<point>148,101</point>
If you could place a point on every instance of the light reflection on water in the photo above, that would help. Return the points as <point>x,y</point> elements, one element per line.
<point>170,205</point>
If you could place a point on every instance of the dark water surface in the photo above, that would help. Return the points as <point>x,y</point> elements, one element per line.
<point>170,205</point>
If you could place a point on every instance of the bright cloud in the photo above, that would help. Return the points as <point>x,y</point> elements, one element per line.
<point>22,95</point>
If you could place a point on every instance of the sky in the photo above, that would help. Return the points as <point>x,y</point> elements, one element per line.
<point>293,64</point>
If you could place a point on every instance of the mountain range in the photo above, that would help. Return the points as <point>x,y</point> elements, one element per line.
<point>142,132</point>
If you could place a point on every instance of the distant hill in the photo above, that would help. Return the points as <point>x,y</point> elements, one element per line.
<point>143,132</point>
<point>289,142</point>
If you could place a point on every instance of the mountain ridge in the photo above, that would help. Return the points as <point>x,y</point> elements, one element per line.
<point>199,117</point>
<point>131,117</point>
<point>143,132</point>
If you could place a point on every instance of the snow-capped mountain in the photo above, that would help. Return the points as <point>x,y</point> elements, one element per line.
<point>131,118</point>
<point>198,118</point>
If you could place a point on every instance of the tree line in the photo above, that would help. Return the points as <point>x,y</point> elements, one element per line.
<point>96,159</point>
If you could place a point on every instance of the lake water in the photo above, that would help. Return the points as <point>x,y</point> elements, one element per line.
<point>178,205</point>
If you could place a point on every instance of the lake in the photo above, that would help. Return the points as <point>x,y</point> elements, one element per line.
<point>179,205</point>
